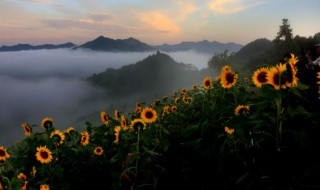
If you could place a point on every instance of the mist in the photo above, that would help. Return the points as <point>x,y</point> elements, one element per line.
<point>51,83</point>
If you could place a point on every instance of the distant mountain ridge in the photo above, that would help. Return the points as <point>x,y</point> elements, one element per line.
<point>130,44</point>
<point>21,47</point>
<point>123,45</point>
<point>202,46</point>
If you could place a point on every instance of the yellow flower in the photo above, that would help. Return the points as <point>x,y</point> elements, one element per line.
<point>117,130</point>
<point>22,176</point>
<point>43,155</point>
<point>260,77</point>
<point>59,136</point>
<point>195,88</point>
<point>246,80</point>
<point>242,109</point>
<point>69,130</point>
<point>149,115</point>
<point>173,108</point>
<point>33,171</point>
<point>228,77</point>
<point>27,129</point>
<point>138,105</point>
<point>124,123</point>
<point>137,123</point>
<point>184,91</point>
<point>228,130</point>
<point>177,100</point>
<point>116,115</point>
<point>104,118</point>
<point>47,123</point>
<point>98,150</point>
<point>3,154</point>
<point>207,83</point>
<point>44,187</point>
<point>85,138</point>
<point>275,77</point>
<point>137,110</point>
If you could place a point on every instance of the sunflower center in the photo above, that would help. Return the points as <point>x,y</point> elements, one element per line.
<point>98,150</point>
<point>207,83</point>
<point>230,78</point>
<point>276,79</point>
<point>44,154</point>
<point>47,124</point>
<point>27,129</point>
<point>84,138</point>
<point>262,77</point>
<point>149,115</point>
<point>57,138</point>
<point>2,153</point>
<point>136,125</point>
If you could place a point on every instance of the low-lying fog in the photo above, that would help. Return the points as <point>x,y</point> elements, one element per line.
<point>50,83</point>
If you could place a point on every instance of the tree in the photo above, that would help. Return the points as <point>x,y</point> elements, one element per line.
<point>218,60</point>
<point>285,31</point>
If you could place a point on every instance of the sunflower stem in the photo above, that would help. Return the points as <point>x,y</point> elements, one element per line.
<point>278,123</point>
<point>8,181</point>
<point>137,153</point>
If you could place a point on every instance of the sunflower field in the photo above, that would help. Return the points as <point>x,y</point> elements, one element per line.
<point>257,132</point>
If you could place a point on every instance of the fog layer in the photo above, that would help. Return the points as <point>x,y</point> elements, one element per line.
<point>51,83</point>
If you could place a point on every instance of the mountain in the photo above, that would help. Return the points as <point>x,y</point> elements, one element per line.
<point>202,46</point>
<point>157,74</point>
<point>20,47</point>
<point>119,45</point>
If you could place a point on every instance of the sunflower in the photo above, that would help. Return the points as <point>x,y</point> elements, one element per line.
<point>85,138</point>
<point>3,154</point>
<point>69,131</point>
<point>149,115</point>
<point>276,78</point>
<point>33,171</point>
<point>156,102</point>
<point>137,123</point>
<point>164,98</point>
<point>228,77</point>
<point>207,83</point>
<point>43,154</point>
<point>98,150</point>
<point>22,176</point>
<point>27,129</point>
<point>124,123</point>
<point>166,110</point>
<point>116,114</point>
<point>246,80</point>
<point>137,110</point>
<point>44,187</point>
<point>117,130</point>
<point>195,88</point>
<point>177,100</point>
<point>184,91</point>
<point>260,77</point>
<point>228,130</point>
<point>138,105</point>
<point>318,77</point>
<point>47,123</point>
<point>292,80</point>
<point>104,118</point>
<point>58,136</point>
<point>293,60</point>
<point>174,94</point>
<point>185,100</point>
<point>174,108</point>
<point>242,109</point>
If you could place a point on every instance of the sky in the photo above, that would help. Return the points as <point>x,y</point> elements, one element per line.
<point>153,21</point>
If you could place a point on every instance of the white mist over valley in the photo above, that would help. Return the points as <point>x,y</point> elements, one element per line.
<point>51,83</point>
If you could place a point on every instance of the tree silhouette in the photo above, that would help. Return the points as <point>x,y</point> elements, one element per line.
<point>285,31</point>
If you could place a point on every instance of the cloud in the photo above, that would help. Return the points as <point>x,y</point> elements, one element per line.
<point>184,9</point>
<point>101,17</point>
<point>159,22</point>
<point>231,6</point>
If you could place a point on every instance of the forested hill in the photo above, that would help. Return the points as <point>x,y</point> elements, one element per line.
<point>156,75</point>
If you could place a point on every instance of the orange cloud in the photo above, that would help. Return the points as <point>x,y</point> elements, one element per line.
<point>230,6</point>
<point>159,22</point>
